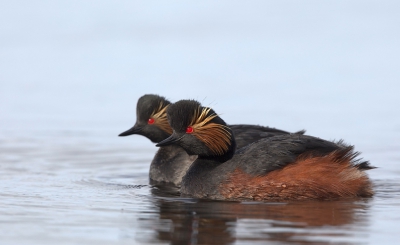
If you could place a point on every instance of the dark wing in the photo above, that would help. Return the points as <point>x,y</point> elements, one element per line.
<point>246,134</point>
<point>276,152</point>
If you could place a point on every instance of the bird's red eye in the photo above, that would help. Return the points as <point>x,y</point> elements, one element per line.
<point>150,121</point>
<point>189,130</point>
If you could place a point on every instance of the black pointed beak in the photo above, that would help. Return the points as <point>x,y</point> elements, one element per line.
<point>170,140</point>
<point>134,130</point>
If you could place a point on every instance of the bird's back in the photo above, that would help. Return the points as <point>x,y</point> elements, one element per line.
<point>246,134</point>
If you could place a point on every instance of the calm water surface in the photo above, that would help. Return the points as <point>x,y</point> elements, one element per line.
<point>77,190</point>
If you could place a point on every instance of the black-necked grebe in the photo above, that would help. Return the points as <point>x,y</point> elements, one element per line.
<point>287,166</point>
<point>171,162</point>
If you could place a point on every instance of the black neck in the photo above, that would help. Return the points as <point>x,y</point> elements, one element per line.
<point>222,158</point>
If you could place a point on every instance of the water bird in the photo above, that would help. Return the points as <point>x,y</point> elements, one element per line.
<point>171,162</point>
<point>282,167</point>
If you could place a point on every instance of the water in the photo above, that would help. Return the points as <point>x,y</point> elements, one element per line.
<point>78,191</point>
<point>70,76</point>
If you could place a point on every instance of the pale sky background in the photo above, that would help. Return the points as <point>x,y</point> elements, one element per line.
<point>331,67</point>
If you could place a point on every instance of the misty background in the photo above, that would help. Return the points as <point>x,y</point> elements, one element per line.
<point>78,67</point>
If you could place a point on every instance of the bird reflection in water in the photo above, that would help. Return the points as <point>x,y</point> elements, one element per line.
<point>193,221</point>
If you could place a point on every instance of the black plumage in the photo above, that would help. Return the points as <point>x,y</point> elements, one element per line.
<point>170,163</point>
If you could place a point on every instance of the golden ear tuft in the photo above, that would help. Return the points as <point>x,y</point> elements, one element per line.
<point>215,136</point>
<point>160,118</point>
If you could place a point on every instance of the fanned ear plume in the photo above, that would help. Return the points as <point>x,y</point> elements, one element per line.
<point>160,118</point>
<point>215,136</point>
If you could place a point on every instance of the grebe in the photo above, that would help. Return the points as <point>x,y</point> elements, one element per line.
<point>286,166</point>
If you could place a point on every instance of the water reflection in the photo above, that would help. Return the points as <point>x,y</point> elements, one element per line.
<point>191,221</point>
